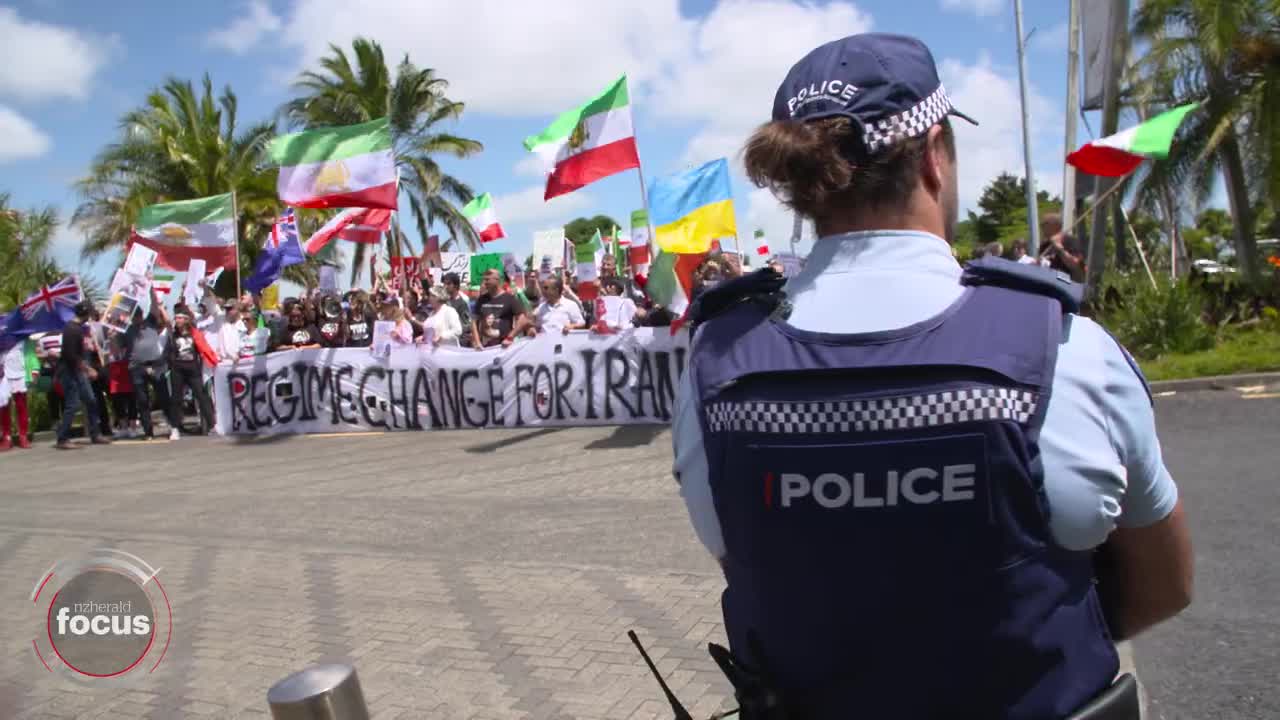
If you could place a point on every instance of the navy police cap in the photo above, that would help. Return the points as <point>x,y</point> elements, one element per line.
<point>887,84</point>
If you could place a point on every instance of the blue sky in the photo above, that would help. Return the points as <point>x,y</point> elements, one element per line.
<point>703,74</point>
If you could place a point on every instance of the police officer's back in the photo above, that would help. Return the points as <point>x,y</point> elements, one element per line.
<point>907,470</point>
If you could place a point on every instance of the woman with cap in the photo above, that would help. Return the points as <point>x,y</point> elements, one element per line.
<point>907,470</point>
<point>188,353</point>
<point>390,310</point>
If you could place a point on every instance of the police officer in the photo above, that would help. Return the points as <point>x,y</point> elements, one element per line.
<point>913,473</point>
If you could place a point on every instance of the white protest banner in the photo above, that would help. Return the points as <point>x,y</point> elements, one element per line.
<point>552,380</point>
<point>191,292</point>
<point>549,243</point>
<point>140,261</point>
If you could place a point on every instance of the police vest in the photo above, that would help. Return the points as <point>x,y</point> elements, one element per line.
<point>881,501</point>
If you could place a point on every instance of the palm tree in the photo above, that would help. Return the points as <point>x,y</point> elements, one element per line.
<point>343,93</point>
<point>178,146</point>
<point>1225,53</point>
<point>25,238</point>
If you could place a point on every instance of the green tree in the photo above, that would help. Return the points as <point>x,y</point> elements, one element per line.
<point>25,238</point>
<point>1004,211</point>
<point>179,145</point>
<point>343,92</point>
<point>580,230</point>
<point>1223,52</point>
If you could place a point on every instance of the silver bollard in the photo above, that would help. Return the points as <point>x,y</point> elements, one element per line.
<point>320,692</point>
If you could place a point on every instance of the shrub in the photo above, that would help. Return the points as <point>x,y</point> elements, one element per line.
<point>1169,318</point>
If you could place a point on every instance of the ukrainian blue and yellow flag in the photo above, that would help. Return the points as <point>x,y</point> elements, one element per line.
<point>691,209</point>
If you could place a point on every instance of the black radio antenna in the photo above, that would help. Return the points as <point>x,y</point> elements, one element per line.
<point>676,707</point>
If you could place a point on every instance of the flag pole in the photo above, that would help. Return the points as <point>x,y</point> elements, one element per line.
<point>644,192</point>
<point>235,222</point>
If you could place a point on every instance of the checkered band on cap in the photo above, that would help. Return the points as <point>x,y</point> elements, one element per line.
<point>910,123</point>
<point>903,412</point>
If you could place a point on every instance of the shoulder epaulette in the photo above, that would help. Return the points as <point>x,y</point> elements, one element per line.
<point>763,287</point>
<point>1025,278</point>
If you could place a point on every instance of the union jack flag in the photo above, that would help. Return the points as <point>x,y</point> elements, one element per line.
<point>46,301</point>
<point>284,239</point>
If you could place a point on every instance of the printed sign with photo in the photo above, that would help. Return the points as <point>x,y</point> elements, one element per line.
<point>140,261</point>
<point>120,311</point>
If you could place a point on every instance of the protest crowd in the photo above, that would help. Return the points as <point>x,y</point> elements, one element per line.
<point>121,371</point>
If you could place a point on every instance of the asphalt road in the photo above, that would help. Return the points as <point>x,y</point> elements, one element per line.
<point>1221,658</point>
<point>494,574</point>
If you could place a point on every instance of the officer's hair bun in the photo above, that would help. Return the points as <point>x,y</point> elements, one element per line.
<point>821,165</point>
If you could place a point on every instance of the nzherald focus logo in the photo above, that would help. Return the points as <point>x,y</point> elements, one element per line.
<point>104,617</point>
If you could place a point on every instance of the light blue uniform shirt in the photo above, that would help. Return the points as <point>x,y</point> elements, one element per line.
<point>1101,456</point>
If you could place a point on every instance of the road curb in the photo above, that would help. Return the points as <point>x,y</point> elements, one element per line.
<point>1215,382</point>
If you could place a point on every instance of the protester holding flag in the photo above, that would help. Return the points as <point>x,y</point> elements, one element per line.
<point>1061,250</point>
<point>75,374</point>
<point>187,353</point>
<point>13,392</point>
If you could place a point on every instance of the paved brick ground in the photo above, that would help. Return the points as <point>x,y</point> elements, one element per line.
<point>467,575</point>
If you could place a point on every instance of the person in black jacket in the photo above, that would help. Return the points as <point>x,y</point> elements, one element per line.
<point>186,371</point>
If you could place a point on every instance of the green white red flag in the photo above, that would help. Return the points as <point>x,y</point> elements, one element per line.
<point>1120,154</point>
<point>589,142</point>
<point>483,218</point>
<point>350,166</point>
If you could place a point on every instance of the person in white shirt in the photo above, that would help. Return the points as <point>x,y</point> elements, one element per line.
<point>442,326</point>
<point>619,313</point>
<point>233,336</point>
<point>1020,253</point>
<point>556,312</point>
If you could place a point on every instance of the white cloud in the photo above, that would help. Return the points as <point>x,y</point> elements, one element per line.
<point>505,58</point>
<point>526,207</point>
<point>730,74</point>
<point>247,31</point>
<point>531,165</point>
<point>19,139</point>
<point>979,7</point>
<point>39,61</point>
<point>989,94</point>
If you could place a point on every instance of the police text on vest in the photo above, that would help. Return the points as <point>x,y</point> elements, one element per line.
<point>920,486</point>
